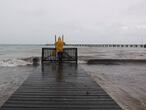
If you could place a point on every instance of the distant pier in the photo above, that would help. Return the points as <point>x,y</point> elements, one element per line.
<point>106,45</point>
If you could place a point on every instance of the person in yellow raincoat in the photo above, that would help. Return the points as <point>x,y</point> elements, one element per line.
<point>59,48</point>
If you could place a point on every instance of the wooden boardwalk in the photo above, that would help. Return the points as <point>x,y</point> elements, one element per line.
<point>60,87</point>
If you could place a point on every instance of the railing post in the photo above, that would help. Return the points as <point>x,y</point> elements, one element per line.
<point>76,55</point>
<point>42,55</point>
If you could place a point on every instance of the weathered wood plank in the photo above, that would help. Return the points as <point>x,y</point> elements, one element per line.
<point>60,87</point>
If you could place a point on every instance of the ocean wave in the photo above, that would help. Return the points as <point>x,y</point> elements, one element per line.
<point>12,62</point>
<point>82,62</point>
<point>16,62</point>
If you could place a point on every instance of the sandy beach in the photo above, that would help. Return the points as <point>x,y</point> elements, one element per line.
<point>10,79</point>
<point>125,83</point>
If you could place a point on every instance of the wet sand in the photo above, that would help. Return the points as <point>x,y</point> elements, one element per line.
<point>125,83</point>
<point>10,79</point>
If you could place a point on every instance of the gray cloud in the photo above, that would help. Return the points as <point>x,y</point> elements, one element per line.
<point>81,21</point>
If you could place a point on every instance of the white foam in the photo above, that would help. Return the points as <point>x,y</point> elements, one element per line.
<point>13,62</point>
<point>82,62</point>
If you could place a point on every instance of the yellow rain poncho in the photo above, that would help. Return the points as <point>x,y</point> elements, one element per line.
<point>59,45</point>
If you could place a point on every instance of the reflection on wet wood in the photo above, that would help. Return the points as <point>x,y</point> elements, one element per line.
<point>60,86</point>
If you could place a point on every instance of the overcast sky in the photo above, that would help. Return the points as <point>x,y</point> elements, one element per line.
<point>81,21</point>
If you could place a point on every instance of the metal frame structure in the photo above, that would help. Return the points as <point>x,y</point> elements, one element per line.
<point>69,55</point>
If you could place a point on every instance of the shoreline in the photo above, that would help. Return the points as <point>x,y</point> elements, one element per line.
<point>124,83</point>
<point>116,61</point>
<point>11,79</point>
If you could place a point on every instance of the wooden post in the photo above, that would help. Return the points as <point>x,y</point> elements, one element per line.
<point>62,38</point>
<point>55,38</point>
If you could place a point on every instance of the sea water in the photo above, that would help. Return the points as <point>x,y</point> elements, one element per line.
<point>16,63</point>
<point>18,55</point>
<point>14,55</point>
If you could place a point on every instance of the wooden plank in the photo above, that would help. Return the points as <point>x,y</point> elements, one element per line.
<point>54,89</point>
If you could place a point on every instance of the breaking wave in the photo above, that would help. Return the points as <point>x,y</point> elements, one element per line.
<point>16,62</point>
<point>12,62</point>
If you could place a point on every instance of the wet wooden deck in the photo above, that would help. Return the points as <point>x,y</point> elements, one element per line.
<point>60,87</point>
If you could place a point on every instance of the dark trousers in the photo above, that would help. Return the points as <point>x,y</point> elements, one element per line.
<point>60,54</point>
